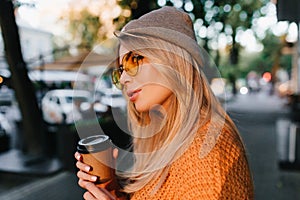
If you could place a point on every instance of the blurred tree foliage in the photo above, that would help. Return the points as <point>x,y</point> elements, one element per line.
<point>269,59</point>
<point>228,17</point>
<point>212,18</point>
<point>90,22</point>
<point>84,28</point>
<point>272,57</point>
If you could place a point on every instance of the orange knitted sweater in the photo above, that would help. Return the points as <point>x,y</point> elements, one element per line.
<point>222,174</point>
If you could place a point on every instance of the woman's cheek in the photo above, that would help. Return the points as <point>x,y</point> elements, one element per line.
<point>141,104</point>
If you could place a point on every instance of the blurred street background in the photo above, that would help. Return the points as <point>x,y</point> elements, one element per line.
<point>55,87</point>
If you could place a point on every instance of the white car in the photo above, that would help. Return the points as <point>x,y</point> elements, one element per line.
<point>112,97</point>
<point>65,105</point>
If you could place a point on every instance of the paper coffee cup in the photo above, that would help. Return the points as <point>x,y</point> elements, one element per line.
<point>96,151</point>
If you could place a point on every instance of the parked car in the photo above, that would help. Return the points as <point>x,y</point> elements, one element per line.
<point>66,105</point>
<point>112,97</point>
<point>107,94</point>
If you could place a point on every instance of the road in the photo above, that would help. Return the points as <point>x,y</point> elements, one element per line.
<point>257,117</point>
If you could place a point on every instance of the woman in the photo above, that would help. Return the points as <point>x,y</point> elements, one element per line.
<point>184,145</point>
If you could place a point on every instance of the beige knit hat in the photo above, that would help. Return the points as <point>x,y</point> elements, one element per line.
<point>168,24</point>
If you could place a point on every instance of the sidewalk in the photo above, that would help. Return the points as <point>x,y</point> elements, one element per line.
<point>62,186</point>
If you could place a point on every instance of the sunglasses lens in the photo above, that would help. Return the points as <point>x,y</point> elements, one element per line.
<point>116,78</point>
<point>131,67</point>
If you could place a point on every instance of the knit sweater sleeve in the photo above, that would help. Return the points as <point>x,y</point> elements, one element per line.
<point>222,174</point>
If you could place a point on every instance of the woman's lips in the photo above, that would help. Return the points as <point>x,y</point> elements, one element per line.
<point>133,94</point>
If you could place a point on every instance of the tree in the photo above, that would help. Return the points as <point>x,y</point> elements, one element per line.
<point>240,17</point>
<point>31,115</point>
<point>93,22</point>
<point>84,28</point>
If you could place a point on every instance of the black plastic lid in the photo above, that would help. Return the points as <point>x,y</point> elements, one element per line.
<point>94,144</point>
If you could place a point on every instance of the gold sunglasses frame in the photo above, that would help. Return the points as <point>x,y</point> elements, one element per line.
<point>130,64</point>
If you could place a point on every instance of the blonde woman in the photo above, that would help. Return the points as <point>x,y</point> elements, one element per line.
<point>184,144</point>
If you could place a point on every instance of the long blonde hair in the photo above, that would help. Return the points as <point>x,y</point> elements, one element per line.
<point>160,136</point>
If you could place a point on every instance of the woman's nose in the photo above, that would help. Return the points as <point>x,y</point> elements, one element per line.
<point>124,78</point>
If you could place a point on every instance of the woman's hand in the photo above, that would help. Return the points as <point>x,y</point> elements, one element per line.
<point>84,169</point>
<point>87,181</point>
<point>95,193</point>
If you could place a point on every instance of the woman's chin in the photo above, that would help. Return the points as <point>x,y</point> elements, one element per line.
<point>141,108</point>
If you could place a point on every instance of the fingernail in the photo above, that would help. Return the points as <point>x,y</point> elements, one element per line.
<point>88,168</point>
<point>77,156</point>
<point>94,178</point>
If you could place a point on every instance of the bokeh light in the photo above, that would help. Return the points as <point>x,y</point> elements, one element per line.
<point>244,90</point>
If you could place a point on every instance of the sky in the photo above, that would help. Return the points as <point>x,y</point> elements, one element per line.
<point>46,13</point>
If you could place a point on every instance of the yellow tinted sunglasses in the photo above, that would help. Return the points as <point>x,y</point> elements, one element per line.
<point>130,64</point>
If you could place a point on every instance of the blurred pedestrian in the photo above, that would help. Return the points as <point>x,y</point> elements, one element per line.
<point>184,145</point>
<point>253,82</point>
